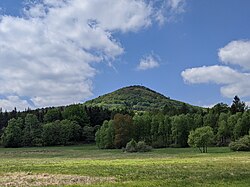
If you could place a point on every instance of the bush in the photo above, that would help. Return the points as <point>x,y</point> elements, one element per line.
<point>141,146</point>
<point>243,144</point>
<point>131,146</point>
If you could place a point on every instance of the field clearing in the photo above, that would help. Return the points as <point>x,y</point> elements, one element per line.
<point>89,166</point>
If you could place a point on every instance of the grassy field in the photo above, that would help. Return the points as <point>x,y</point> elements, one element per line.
<point>86,165</point>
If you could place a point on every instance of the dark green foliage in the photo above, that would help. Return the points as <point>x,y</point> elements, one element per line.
<point>201,138</point>
<point>237,106</point>
<point>12,136</point>
<point>131,146</point>
<point>142,125</point>
<point>180,129</point>
<point>76,113</point>
<point>88,134</point>
<point>53,115</point>
<point>220,108</point>
<point>243,144</point>
<point>32,131</point>
<point>61,133</point>
<point>97,115</point>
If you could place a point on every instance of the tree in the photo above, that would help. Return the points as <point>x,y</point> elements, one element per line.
<point>201,138</point>
<point>123,126</point>
<point>32,131</point>
<point>237,105</point>
<point>12,136</point>
<point>211,120</point>
<point>142,125</point>
<point>105,135</point>
<point>52,115</point>
<point>224,132</point>
<point>243,144</point>
<point>76,113</point>
<point>180,130</point>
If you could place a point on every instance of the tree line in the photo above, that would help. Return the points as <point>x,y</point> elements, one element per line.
<point>52,126</point>
<point>114,129</point>
<point>165,130</point>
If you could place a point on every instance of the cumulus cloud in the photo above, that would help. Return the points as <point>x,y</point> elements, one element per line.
<point>148,62</point>
<point>215,74</point>
<point>236,53</point>
<point>233,82</point>
<point>46,55</point>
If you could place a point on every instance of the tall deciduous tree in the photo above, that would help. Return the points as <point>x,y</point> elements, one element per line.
<point>32,131</point>
<point>12,136</point>
<point>201,138</point>
<point>123,125</point>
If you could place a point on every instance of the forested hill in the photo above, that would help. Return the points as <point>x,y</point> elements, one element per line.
<point>138,98</point>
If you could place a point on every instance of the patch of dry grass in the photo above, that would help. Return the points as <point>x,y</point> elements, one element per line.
<point>19,179</point>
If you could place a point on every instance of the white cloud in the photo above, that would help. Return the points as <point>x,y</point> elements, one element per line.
<point>232,82</point>
<point>148,62</point>
<point>8,102</point>
<point>46,55</point>
<point>214,74</point>
<point>236,53</point>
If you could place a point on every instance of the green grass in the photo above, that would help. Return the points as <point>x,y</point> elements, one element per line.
<point>161,167</point>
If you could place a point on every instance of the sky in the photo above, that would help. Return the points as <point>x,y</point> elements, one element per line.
<point>60,52</point>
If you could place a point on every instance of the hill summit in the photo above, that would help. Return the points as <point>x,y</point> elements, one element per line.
<point>137,98</point>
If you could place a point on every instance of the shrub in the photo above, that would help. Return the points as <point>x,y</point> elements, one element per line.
<point>243,144</point>
<point>131,146</point>
<point>143,147</point>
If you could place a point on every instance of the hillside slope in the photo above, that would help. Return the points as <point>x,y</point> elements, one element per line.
<point>137,98</point>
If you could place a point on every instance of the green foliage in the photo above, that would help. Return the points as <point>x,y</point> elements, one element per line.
<point>131,146</point>
<point>105,136</point>
<point>138,98</point>
<point>180,129</point>
<point>88,134</point>
<point>76,113</point>
<point>142,125</point>
<point>201,138</point>
<point>143,147</point>
<point>237,105</point>
<point>32,131</point>
<point>12,136</point>
<point>52,115</point>
<point>243,144</point>
<point>61,132</point>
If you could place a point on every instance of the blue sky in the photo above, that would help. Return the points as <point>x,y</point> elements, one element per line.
<point>54,53</point>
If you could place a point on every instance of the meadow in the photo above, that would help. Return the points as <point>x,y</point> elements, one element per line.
<point>88,166</point>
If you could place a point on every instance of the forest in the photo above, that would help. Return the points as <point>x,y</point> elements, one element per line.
<point>78,123</point>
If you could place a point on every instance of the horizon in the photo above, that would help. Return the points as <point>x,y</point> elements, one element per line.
<point>60,53</point>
